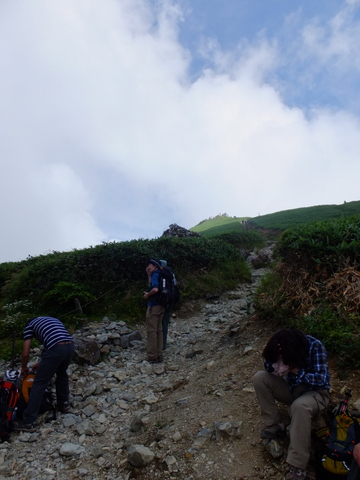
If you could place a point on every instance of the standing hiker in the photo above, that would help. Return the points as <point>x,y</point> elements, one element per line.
<point>154,314</point>
<point>58,351</point>
<point>296,374</point>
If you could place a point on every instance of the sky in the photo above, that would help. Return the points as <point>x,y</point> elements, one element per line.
<point>121,117</point>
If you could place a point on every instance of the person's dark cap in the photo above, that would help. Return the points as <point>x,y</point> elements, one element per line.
<point>155,262</point>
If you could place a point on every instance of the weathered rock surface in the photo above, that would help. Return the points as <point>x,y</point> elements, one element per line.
<point>177,231</point>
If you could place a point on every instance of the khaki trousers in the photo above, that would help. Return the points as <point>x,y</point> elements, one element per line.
<point>304,406</point>
<point>154,317</point>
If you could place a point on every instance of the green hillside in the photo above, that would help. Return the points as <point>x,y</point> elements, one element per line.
<point>300,216</point>
<point>278,220</point>
<point>219,225</point>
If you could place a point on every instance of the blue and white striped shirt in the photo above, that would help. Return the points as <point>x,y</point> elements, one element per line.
<point>48,331</point>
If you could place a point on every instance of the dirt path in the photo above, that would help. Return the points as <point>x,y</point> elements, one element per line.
<point>217,387</point>
<point>205,382</point>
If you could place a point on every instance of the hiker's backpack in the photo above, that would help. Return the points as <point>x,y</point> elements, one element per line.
<point>9,395</point>
<point>26,384</point>
<point>168,293</point>
<point>339,441</point>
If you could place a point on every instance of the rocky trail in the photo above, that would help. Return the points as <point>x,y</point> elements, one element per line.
<point>194,417</point>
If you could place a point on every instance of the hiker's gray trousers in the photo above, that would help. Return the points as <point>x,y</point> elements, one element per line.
<point>304,406</point>
<point>154,316</point>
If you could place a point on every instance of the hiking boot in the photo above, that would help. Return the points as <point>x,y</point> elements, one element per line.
<point>64,408</point>
<point>25,427</point>
<point>153,360</point>
<point>273,431</point>
<point>295,474</point>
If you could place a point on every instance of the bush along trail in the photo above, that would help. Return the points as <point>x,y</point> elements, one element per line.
<point>193,417</point>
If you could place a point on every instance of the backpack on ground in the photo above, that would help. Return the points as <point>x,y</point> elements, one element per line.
<point>47,404</point>
<point>169,293</point>
<point>9,395</point>
<point>339,440</point>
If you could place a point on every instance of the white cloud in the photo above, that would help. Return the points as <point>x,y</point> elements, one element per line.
<point>335,43</point>
<point>104,135</point>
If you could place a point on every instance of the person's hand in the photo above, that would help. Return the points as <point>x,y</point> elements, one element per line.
<point>295,371</point>
<point>35,366</point>
<point>24,371</point>
<point>356,453</point>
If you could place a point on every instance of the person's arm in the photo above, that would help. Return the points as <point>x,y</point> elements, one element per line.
<point>318,376</point>
<point>356,453</point>
<point>152,292</point>
<point>25,357</point>
<point>154,285</point>
<point>268,366</point>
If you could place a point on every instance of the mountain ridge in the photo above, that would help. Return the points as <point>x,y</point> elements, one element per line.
<point>281,220</point>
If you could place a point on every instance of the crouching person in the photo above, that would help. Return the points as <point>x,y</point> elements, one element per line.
<point>296,374</point>
<point>58,351</point>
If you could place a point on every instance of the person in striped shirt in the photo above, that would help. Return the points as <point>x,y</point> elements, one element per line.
<point>58,350</point>
<point>296,374</point>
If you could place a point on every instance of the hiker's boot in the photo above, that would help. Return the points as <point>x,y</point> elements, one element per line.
<point>295,473</point>
<point>25,427</point>
<point>64,408</point>
<point>273,431</point>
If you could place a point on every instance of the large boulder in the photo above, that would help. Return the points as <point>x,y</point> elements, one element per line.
<point>87,351</point>
<point>176,231</point>
<point>140,456</point>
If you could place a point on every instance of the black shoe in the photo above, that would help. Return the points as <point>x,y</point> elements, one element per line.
<point>25,427</point>
<point>273,431</point>
<point>64,408</point>
<point>156,360</point>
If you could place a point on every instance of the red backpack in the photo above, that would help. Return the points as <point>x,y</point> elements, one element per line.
<point>9,395</point>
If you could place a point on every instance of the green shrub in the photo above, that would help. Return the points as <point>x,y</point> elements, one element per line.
<point>244,239</point>
<point>315,286</point>
<point>68,296</point>
<point>339,333</point>
<point>109,279</point>
<point>333,244</point>
<point>269,299</point>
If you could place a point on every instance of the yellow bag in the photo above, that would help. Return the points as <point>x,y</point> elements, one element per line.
<point>340,440</point>
<point>26,386</point>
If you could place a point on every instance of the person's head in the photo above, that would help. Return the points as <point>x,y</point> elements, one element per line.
<point>288,344</point>
<point>153,265</point>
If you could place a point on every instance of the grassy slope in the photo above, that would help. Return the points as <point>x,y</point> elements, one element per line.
<point>278,220</point>
<point>299,216</point>
<point>218,225</point>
